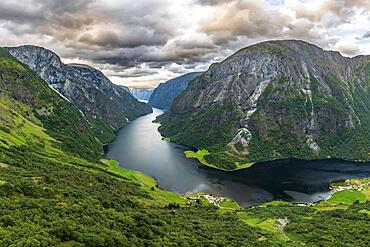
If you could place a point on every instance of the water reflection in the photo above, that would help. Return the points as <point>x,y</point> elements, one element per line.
<point>139,147</point>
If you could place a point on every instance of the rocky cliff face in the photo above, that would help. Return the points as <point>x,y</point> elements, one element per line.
<point>105,105</point>
<point>166,92</point>
<point>275,100</point>
<point>34,118</point>
<point>141,93</point>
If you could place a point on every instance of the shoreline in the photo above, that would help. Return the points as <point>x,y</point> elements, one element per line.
<point>185,148</point>
<point>199,155</point>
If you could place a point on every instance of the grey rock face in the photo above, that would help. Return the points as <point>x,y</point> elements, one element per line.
<point>88,88</point>
<point>237,77</point>
<point>141,93</point>
<point>284,89</point>
<point>163,96</point>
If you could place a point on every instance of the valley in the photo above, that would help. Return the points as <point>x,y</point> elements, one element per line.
<point>139,146</point>
<point>190,123</point>
<point>57,188</point>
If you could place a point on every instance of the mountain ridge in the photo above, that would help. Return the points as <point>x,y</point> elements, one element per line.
<point>163,95</point>
<point>283,98</point>
<point>106,105</point>
<point>141,93</point>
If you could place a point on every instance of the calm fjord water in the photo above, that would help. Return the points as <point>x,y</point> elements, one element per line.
<point>139,147</point>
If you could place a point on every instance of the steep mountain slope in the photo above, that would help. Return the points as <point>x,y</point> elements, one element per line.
<point>106,106</point>
<point>141,93</point>
<point>28,107</point>
<point>163,96</point>
<point>275,100</point>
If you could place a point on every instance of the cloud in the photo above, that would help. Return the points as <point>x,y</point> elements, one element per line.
<point>349,49</point>
<point>245,18</point>
<point>148,41</point>
<point>366,35</point>
<point>212,2</point>
<point>316,10</point>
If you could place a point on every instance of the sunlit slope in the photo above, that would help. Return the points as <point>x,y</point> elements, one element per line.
<point>33,114</point>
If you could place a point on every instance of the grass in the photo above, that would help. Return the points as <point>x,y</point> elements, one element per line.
<point>274,203</point>
<point>229,204</point>
<point>148,183</point>
<point>22,130</point>
<point>365,211</point>
<point>269,225</point>
<point>138,177</point>
<point>347,197</point>
<point>243,166</point>
<point>200,156</point>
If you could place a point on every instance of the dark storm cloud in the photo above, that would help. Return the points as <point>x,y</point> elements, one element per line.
<point>130,39</point>
<point>141,38</point>
<point>212,2</point>
<point>366,35</point>
<point>81,21</point>
<point>39,13</point>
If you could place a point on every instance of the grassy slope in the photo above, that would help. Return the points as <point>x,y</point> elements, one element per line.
<point>26,97</point>
<point>201,154</point>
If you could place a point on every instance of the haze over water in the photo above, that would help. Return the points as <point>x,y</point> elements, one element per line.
<point>139,147</point>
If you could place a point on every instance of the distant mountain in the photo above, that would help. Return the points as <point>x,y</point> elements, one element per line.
<point>166,92</point>
<point>141,93</point>
<point>106,106</point>
<point>275,100</point>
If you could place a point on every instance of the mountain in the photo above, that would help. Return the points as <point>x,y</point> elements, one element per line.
<point>275,100</point>
<point>106,106</point>
<point>163,96</point>
<point>141,93</point>
<point>35,116</point>
<point>56,191</point>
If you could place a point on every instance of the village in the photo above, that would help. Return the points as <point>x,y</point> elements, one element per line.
<point>211,199</point>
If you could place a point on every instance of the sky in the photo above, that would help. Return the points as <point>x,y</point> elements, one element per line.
<point>141,43</point>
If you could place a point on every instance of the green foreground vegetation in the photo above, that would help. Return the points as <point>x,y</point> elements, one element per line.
<point>57,190</point>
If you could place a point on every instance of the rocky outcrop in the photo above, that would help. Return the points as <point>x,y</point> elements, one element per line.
<point>141,93</point>
<point>285,99</point>
<point>166,92</point>
<point>105,105</point>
